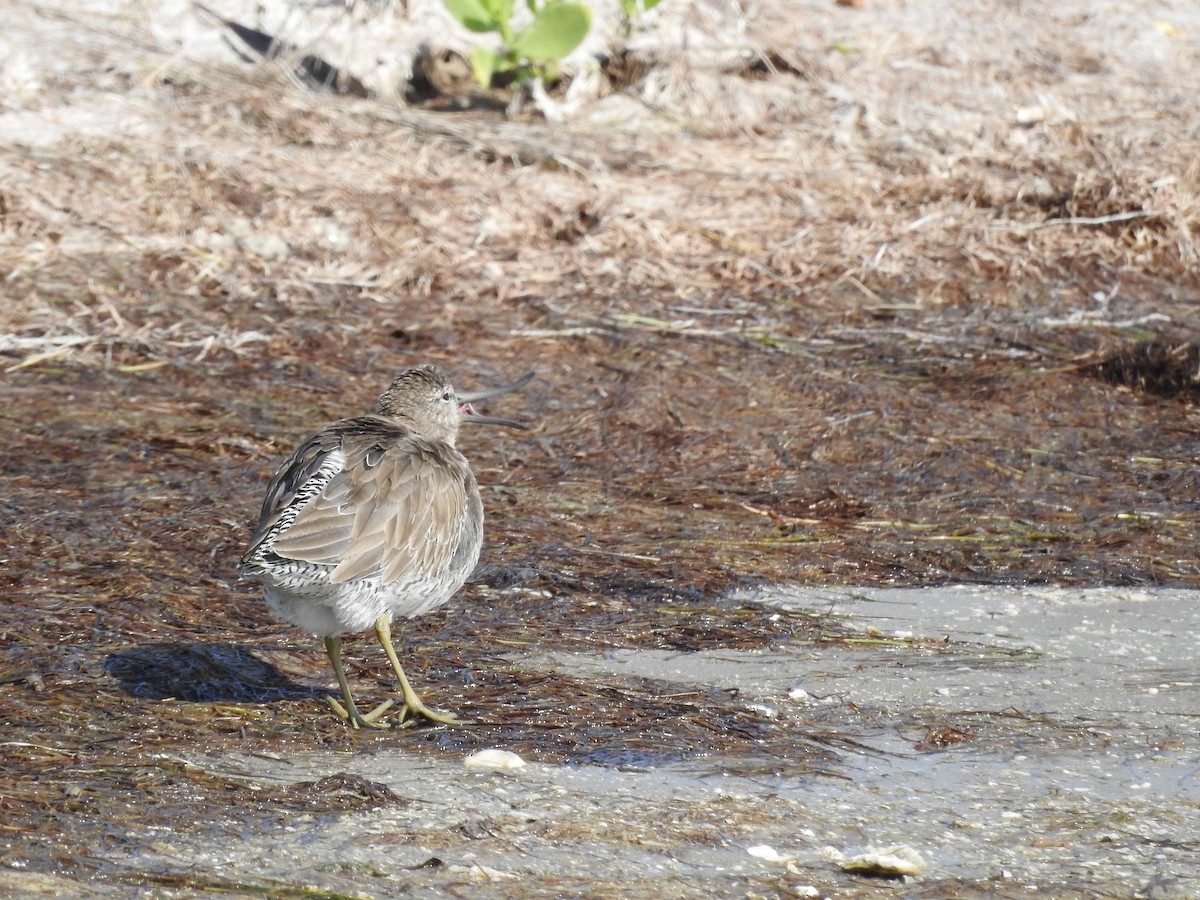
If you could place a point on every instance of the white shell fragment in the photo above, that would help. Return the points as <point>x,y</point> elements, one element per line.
<point>493,759</point>
<point>886,862</point>
<point>768,853</point>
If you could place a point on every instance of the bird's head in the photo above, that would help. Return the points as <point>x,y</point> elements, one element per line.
<point>424,399</point>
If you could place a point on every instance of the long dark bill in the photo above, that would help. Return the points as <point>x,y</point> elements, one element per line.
<point>469,415</point>
<point>472,396</point>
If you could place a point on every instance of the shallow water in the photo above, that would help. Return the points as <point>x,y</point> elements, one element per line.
<point>1070,766</point>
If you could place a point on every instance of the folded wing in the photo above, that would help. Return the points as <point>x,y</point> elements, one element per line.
<point>394,508</point>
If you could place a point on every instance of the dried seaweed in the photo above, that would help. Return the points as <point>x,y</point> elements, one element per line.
<point>1153,367</point>
<point>811,347</point>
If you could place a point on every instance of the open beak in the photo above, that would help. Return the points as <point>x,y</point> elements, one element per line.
<point>468,411</point>
<point>472,396</point>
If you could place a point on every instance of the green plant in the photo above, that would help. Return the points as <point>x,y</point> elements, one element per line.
<point>557,28</point>
<point>631,11</point>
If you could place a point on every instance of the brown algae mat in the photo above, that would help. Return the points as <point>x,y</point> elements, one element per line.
<point>810,339</point>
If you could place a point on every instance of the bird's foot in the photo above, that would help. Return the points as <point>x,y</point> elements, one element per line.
<point>357,719</point>
<point>414,708</point>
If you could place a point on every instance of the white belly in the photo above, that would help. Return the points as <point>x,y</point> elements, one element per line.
<point>325,609</point>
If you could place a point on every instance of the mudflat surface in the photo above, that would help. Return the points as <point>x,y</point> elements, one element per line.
<point>1015,743</point>
<point>831,310</point>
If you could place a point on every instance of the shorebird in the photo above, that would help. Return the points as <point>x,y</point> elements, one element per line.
<point>374,517</point>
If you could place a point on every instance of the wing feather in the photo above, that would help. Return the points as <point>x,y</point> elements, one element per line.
<point>294,483</point>
<point>396,509</point>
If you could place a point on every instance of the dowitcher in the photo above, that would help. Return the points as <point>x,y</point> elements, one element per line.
<point>371,518</point>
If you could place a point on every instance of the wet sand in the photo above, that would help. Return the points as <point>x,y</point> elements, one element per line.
<point>1046,747</point>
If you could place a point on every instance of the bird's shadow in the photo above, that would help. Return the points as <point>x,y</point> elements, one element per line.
<point>202,672</point>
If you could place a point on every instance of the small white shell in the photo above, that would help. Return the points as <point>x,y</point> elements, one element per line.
<point>768,853</point>
<point>493,759</point>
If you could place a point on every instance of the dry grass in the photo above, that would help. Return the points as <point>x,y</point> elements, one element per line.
<point>883,314</point>
<point>784,190</point>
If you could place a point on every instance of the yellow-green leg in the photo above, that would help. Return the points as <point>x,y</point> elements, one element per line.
<point>349,712</point>
<point>412,703</point>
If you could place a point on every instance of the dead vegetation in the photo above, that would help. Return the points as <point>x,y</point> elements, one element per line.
<point>1154,367</point>
<point>782,332</point>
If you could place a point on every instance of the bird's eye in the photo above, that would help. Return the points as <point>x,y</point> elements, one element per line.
<point>446,396</point>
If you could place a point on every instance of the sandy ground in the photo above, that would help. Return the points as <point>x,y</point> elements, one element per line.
<point>892,298</point>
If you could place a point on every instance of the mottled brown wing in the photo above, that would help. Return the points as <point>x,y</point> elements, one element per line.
<point>299,473</point>
<point>395,510</point>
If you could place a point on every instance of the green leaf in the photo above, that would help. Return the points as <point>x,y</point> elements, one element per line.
<point>501,10</point>
<point>474,14</point>
<point>557,30</point>
<point>485,64</point>
<point>648,5</point>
